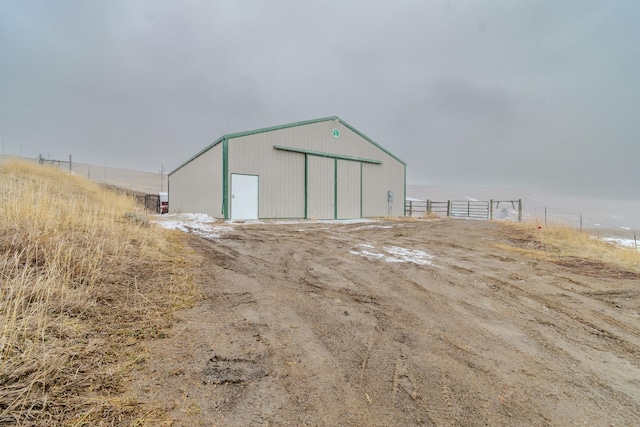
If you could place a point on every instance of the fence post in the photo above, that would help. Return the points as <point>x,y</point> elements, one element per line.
<point>491,209</point>
<point>468,208</point>
<point>428,206</point>
<point>448,207</point>
<point>410,208</point>
<point>519,210</point>
<point>580,222</point>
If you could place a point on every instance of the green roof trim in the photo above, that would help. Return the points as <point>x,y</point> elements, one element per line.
<point>328,155</point>
<point>289,125</point>
<point>200,153</point>
<point>371,141</point>
<point>272,128</point>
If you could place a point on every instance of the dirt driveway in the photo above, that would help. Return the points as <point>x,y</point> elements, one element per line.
<point>396,323</point>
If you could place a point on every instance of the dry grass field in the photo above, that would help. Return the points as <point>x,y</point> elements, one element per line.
<point>84,280</point>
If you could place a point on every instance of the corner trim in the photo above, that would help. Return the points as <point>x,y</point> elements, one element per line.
<point>335,188</point>
<point>306,186</point>
<point>225,178</point>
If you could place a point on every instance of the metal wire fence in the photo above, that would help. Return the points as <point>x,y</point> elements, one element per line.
<point>553,216</point>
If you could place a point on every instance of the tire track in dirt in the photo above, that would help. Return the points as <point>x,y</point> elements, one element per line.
<point>297,330</point>
<point>511,291</point>
<point>383,369</point>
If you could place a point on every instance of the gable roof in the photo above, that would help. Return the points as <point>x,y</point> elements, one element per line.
<point>285,126</point>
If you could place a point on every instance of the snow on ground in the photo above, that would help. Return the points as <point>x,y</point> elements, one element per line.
<point>366,227</point>
<point>199,224</point>
<point>629,243</point>
<point>206,226</point>
<point>395,254</point>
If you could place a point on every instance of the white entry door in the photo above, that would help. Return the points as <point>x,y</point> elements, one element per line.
<point>244,196</point>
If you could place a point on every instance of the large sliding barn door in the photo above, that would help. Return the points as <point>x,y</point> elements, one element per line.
<point>348,185</point>
<point>320,187</point>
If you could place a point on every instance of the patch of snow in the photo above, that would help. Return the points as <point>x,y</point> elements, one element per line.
<point>312,229</point>
<point>395,254</point>
<point>365,227</point>
<point>368,254</point>
<point>196,223</point>
<point>206,226</point>
<point>345,221</point>
<point>365,245</point>
<point>629,243</point>
<point>471,199</point>
<point>415,256</point>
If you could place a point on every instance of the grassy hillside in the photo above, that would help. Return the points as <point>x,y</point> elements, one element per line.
<point>566,245</point>
<point>84,278</point>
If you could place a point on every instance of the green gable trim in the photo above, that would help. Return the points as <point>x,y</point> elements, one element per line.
<point>328,155</point>
<point>279,127</point>
<point>308,122</point>
<point>200,153</point>
<point>372,141</point>
<point>285,126</point>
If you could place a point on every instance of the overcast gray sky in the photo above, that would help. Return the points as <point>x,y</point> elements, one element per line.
<point>529,94</point>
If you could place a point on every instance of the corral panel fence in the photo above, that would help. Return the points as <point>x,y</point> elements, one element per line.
<point>152,202</point>
<point>492,209</point>
<point>469,209</point>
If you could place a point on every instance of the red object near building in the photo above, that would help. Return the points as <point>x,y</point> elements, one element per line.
<point>163,200</point>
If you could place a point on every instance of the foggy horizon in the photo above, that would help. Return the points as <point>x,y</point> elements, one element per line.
<point>536,95</point>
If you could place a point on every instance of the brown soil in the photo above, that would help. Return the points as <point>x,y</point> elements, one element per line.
<point>298,327</point>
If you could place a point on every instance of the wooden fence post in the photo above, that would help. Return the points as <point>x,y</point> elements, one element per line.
<point>520,210</point>
<point>448,207</point>
<point>428,206</point>
<point>580,222</point>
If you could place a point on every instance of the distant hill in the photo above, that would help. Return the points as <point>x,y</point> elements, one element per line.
<point>144,182</point>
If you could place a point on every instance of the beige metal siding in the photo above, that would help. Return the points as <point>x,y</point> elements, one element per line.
<point>348,183</point>
<point>321,187</point>
<point>197,187</point>
<point>374,198</point>
<point>281,175</point>
<point>376,182</point>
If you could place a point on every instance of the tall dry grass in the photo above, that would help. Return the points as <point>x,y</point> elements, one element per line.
<point>83,279</point>
<point>560,242</point>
